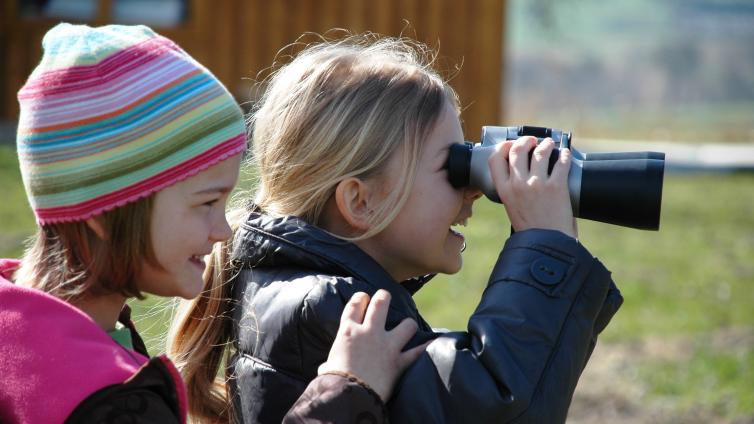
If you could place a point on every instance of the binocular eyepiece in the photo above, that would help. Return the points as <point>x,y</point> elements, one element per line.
<point>621,188</point>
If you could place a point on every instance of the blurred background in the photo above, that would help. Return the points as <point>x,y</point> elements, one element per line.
<point>665,75</point>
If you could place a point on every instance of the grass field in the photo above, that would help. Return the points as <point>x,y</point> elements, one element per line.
<point>683,342</point>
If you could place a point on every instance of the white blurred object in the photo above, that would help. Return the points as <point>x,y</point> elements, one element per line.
<point>160,13</point>
<point>680,156</point>
<point>71,9</point>
<point>157,13</point>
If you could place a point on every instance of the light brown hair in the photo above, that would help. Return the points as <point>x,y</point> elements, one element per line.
<point>70,261</point>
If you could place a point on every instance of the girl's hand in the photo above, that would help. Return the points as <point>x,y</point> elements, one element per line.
<point>532,198</point>
<point>364,349</point>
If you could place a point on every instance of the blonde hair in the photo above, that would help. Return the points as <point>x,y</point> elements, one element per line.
<point>70,261</point>
<point>340,109</point>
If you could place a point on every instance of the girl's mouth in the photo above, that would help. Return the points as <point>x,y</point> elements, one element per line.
<point>462,222</point>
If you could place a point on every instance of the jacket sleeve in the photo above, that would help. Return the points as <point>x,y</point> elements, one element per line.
<point>527,342</point>
<point>333,398</point>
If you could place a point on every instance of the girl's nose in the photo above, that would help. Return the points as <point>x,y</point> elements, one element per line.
<point>221,231</point>
<point>471,194</point>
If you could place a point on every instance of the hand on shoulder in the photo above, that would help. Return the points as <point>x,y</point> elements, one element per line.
<point>365,350</point>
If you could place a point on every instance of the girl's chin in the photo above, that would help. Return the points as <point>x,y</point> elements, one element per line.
<point>457,268</point>
<point>452,266</point>
<point>192,291</point>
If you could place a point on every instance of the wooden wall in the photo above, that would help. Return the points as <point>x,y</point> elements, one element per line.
<point>237,39</point>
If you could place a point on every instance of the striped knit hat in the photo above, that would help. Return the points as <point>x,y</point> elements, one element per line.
<point>114,114</point>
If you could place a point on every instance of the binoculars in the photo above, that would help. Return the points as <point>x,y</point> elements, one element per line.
<point>621,188</point>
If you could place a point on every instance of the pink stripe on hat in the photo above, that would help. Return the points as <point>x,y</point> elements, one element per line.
<point>167,178</point>
<point>83,77</point>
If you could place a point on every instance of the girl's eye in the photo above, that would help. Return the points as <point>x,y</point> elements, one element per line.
<point>210,203</point>
<point>444,166</point>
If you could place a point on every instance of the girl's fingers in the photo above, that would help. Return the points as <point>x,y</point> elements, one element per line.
<point>410,356</point>
<point>541,158</point>
<point>498,164</point>
<point>561,168</point>
<point>376,314</point>
<point>402,333</point>
<point>355,309</point>
<point>519,157</point>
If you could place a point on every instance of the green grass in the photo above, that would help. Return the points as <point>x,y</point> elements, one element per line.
<point>16,218</point>
<point>692,278</point>
<point>718,381</point>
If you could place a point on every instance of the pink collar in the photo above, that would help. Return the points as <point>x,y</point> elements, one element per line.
<point>53,355</point>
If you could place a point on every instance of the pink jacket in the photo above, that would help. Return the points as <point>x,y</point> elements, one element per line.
<point>53,356</point>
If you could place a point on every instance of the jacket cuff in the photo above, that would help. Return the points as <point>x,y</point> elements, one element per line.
<point>337,398</point>
<point>543,259</point>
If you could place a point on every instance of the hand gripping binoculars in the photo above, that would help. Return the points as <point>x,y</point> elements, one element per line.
<point>621,188</point>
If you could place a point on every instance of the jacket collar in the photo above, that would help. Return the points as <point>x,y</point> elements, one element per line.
<point>289,241</point>
<point>48,343</point>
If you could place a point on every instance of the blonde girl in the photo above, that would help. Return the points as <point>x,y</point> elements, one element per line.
<point>350,143</point>
<point>129,150</point>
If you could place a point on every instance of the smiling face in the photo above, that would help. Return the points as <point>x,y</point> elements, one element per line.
<point>187,219</point>
<point>419,240</point>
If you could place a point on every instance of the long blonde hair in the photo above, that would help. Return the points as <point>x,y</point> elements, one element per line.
<point>339,109</point>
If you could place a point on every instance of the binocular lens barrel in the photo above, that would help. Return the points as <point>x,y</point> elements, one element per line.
<point>621,188</point>
<point>625,192</point>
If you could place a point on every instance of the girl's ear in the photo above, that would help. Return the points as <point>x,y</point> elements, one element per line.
<point>353,200</point>
<point>96,225</point>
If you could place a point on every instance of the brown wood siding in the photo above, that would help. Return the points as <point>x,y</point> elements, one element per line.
<point>238,39</point>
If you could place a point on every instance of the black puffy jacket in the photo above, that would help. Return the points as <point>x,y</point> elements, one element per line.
<point>519,360</point>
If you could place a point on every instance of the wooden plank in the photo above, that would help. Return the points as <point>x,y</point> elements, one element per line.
<point>381,14</point>
<point>488,67</point>
<point>224,42</point>
<point>501,48</point>
<point>104,12</point>
<point>24,53</point>
<point>433,25</point>
<point>328,14</point>
<point>253,35</point>
<point>355,15</point>
<point>304,20</point>
<point>277,33</point>
<point>237,39</point>
<point>7,98</point>
<point>406,20</point>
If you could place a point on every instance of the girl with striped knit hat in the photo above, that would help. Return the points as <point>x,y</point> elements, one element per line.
<point>128,150</point>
